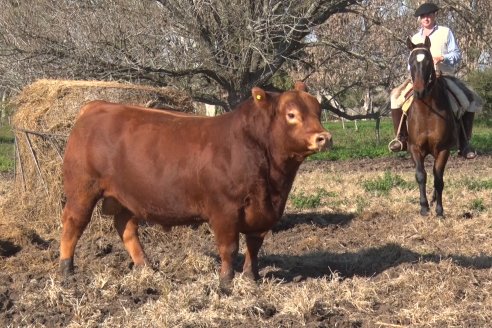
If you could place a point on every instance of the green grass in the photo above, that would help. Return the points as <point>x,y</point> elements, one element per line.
<point>350,142</point>
<point>353,142</point>
<point>358,143</point>
<point>6,148</point>
<point>383,185</point>
<point>303,201</point>
<point>477,185</point>
<point>477,205</point>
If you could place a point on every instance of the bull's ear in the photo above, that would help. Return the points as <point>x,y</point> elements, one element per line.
<point>259,96</point>
<point>300,86</point>
<point>410,44</point>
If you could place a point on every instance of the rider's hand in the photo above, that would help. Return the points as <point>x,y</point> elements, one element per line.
<point>438,59</point>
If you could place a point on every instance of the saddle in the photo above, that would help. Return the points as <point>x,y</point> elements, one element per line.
<point>461,97</point>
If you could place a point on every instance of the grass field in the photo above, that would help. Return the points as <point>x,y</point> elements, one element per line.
<point>352,140</point>
<point>357,140</point>
<point>350,251</point>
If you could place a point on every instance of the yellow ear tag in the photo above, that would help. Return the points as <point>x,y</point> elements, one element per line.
<point>258,97</point>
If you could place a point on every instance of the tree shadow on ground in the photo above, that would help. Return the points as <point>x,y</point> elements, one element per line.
<point>366,263</point>
<point>319,220</point>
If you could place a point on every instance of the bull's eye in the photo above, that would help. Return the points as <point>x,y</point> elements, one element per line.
<point>292,116</point>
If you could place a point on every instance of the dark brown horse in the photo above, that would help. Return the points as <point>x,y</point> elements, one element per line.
<point>432,127</point>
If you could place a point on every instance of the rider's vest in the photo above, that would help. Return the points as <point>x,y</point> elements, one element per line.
<point>439,47</point>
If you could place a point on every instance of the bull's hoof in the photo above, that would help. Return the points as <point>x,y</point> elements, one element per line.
<point>144,266</point>
<point>225,286</point>
<point>66,267</point>
<point>251,275</point>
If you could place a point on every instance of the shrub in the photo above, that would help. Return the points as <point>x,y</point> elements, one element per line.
<point>481,81</point>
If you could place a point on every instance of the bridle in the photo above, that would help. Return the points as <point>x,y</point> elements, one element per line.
<point>429,84</point>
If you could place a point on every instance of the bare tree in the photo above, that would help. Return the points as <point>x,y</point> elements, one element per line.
<point>363,51</point>
<point>216,49</point>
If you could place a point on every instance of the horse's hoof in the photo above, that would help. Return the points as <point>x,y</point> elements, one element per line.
<point>424,211</point>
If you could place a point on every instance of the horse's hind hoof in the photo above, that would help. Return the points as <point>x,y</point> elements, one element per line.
<point>424,211</point>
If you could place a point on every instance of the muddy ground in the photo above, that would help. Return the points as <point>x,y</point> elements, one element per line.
<point>359,258</point>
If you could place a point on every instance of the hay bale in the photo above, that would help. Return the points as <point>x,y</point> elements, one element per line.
<point>45,113</point>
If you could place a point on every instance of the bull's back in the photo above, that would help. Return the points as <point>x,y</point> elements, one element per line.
<point>147,159</point>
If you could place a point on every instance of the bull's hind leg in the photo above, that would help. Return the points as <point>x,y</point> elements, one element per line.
<point>75,217</point>
<point>438,170</point>
<point>127,226</point>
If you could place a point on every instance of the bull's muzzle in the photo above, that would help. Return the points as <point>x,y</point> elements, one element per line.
<point>322,141</point>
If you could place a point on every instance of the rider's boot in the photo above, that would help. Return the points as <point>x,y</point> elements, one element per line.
<point>465,135</point>
<point>399,123</point>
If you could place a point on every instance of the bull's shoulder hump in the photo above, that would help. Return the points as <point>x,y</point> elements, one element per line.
<point>92,105</point>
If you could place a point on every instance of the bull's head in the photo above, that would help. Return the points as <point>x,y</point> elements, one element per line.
<point>296,126</point>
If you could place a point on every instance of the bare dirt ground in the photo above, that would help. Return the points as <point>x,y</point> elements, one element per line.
<point>360,259</point>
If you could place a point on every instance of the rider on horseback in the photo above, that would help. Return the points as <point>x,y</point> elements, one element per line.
<point>446,55</point>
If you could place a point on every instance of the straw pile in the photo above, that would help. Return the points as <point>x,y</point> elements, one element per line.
<point>45,113</point>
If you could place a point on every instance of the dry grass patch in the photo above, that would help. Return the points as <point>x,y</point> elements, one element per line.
<point>360,259</point>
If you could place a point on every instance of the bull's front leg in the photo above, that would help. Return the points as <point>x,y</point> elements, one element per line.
<point>253,245</point>
<point>227,238</point>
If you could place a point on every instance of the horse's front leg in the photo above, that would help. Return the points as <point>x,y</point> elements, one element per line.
<point>421,177</point>
<point>439,164</point>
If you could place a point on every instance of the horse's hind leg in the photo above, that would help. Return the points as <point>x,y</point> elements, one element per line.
<point>75,217</point>
<point>438,170</point>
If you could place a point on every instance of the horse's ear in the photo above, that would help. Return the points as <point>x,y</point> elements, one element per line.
<point>427,42</point>
<point>410,44</point>
<point>300,86</point>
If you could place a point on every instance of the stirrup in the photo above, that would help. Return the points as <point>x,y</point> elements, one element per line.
<point>395,143</point>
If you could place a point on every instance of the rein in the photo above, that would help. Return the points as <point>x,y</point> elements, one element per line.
<point>429,106</point>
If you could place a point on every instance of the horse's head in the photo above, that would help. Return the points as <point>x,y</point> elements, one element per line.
<point>421,67</point>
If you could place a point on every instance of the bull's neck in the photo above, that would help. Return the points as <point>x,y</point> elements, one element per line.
<point>281,167</point>
<point>282,172</point>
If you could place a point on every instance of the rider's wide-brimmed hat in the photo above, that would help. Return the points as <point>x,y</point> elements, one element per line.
<point>426,8</point>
